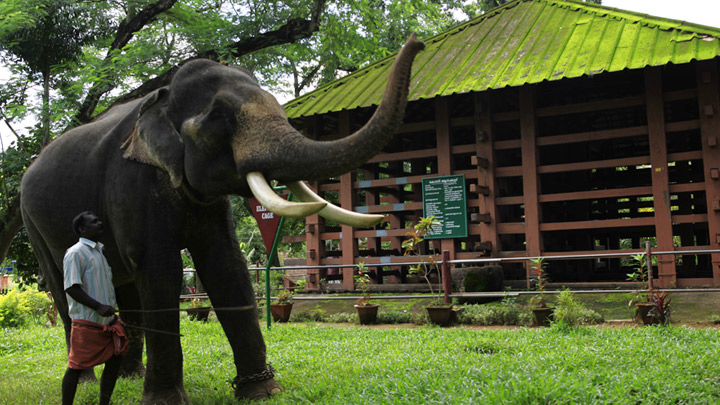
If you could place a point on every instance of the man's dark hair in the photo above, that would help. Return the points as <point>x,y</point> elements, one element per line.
<point>79,221</point>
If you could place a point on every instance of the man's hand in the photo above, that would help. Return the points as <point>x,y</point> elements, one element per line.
<point>80,296</point>
<point>105,310</point>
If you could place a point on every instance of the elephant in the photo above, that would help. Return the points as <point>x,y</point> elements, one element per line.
<point>158,172</point>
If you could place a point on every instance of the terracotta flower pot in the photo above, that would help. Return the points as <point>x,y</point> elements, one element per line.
<point>542,316</point>
<point>367,313</point>
<point>199,314</point>
<point>440,314</point>
<point>281,312</point>
<point>642,313</point>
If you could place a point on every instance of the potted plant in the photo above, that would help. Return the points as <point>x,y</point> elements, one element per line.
<point>197,311</point>
<point>439,313</point>
<point>367,312</point>
<point>642,298</point>
<point>538,303</point>
<point>660,310</point>
<point>282,306</point>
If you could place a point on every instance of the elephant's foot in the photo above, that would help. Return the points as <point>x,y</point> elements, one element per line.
<point>132,370</point>
<point>258,390</point>
<point>88,375</point>
<point>172,396</point>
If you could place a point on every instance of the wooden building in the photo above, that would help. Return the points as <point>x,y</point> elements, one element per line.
<point>579,128</point>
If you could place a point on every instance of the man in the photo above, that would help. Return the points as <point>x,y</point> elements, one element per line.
<point>97,334</point>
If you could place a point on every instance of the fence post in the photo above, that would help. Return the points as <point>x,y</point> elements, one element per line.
<point>446,276</point>
<point>648,254</point>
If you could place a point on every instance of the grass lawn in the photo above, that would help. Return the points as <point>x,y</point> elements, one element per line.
<point>411,365</point>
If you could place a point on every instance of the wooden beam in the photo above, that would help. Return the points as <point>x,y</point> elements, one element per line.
<point>315,248</point>
<point>348,243</point>
<point>531,182</point>
<point>600,223</point>
<point>590,106</point>
<point>667,275</point>
<point>444,154</point>
<point>709,106</point>
<point>486,175</point>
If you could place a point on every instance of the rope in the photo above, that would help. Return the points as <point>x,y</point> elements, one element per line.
<point>240,308</point>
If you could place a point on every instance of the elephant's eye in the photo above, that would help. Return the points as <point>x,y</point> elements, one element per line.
<point>220,118</point>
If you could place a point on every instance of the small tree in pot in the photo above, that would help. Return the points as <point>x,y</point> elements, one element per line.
<point>439,312</point>
<point>367,312</point>
<point>650,307</point>
<point>538,303</point>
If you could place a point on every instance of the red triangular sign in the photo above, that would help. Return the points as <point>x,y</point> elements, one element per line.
<point>267,221</point>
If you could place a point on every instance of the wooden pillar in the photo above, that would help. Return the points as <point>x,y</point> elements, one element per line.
<point>531,182</point>
<point>667,275</point>
<point>709,103</point>
<point>373,243</point>
<point>314,226</point>
<point>486,173</point>
<point>348,243</point>
<point>444,154</point>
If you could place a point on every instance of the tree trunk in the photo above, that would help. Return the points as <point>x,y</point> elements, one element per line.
<point>10,225</point>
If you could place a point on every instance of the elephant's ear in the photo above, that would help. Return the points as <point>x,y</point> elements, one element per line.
<point>154,139</point>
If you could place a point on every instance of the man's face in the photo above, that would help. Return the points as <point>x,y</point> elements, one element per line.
<point>92,227</point>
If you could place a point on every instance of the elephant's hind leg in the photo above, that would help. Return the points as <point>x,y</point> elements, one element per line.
<point>159,280</point>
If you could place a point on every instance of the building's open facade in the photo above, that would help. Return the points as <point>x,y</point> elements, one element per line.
<point>579,129</point>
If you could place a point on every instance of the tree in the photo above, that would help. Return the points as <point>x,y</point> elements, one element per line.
<point>141,43</point>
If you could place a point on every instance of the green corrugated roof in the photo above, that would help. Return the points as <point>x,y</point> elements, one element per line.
<point>526,41</point>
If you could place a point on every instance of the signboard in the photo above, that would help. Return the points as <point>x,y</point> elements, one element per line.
<point>444,197</point>
<point>267,221</point>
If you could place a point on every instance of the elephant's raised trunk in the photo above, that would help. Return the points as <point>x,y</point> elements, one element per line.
<point>305,159</point>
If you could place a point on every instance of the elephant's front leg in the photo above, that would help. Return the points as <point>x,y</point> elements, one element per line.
<point>159,280</point>
<point>224,274</point>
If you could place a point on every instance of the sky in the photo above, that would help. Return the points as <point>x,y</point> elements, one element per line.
<point>705,12</point>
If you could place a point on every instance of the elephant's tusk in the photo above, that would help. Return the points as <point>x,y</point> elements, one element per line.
<point>267,197</point>
<point>333,212</point>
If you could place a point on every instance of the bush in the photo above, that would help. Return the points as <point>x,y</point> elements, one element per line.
<point>477,279</point>
<point>13,310</point>
<point>19,307</point>
<point>341,317</point>
<point>395,317</point>
<point>314,316</point>
<point>506,313</point>
<point>572,313</point>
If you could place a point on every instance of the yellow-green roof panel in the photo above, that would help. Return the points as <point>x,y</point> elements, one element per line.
<point>524,42</point>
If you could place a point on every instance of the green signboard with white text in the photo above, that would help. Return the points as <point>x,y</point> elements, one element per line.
<point>444,197</point>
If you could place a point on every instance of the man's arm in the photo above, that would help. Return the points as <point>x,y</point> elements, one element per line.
<point>81,296</point>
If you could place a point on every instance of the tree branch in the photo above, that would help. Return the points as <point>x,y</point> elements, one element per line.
<point>292,31</point>
<point>124,34</point>
<point>308,78</point>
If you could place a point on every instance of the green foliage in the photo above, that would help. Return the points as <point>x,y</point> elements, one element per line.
<point>47,32</point>
<point>340,317</point>
<point>495,314</point>
<point>26,264</point>
<point>313,316</point>
<point>19,307</point>
<point>396,317</point>
<point>13,310</point>
<point>571,313</point>
<point>412,248</point>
